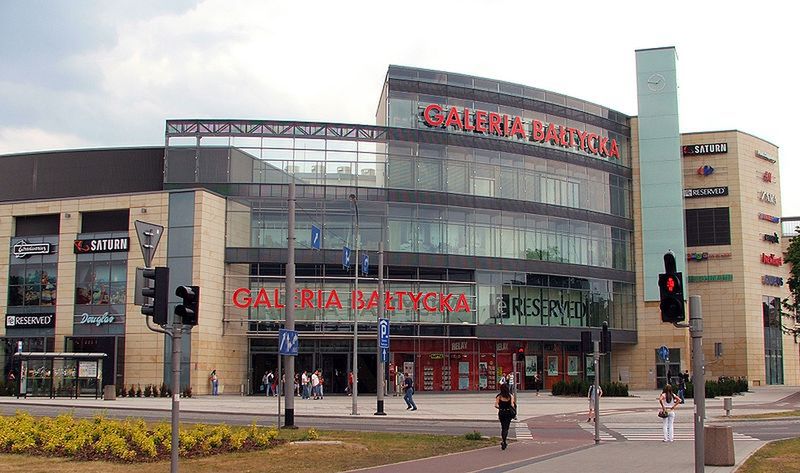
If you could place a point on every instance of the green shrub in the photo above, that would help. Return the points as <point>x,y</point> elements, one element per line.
<point>724,386</point>
<point>474,435</point>
<point>148,390</point>
<point>581,388</point>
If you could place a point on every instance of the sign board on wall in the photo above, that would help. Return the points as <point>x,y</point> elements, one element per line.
<point>23,249</point>
<point>101,245</point>
<point>706,192</point>
<point>703,149</point>
<point>30,321</point>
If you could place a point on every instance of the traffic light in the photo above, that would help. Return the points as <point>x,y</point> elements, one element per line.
<point>605,339</point>
<point>189,309</point>
<point>158,291</point>
<point>671,288</point>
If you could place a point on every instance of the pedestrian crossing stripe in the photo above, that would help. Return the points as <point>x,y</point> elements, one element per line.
<point>522,432</point>
<point>653,433</point>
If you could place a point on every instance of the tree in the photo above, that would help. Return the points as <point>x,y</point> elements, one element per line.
<point>791,305</point>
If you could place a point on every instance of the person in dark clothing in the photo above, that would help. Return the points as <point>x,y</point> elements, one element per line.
<point>409,396</point>
<point>506,407</point>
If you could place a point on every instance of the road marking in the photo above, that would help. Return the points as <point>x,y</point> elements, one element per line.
<point>651,433</point>
<point>522,432</point>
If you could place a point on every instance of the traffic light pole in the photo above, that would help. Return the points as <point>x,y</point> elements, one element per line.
<point>176,383</point>
<point>175,334</point>
<point>596,392</point>
<point>698,381</point>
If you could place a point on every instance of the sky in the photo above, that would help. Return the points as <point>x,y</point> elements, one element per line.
<point>82,74</point>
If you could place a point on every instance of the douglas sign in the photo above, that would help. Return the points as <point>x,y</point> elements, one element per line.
<point>481,121</point>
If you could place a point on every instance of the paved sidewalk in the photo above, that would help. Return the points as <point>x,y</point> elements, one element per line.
<point>562,441</point>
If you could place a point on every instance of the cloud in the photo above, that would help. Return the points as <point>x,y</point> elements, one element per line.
<point>16,140</point>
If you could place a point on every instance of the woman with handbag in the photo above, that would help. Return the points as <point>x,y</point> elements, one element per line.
<point>669,402</point>
<point>506,407</point>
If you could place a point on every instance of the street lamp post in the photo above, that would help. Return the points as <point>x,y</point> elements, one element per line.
<point>354,202</point>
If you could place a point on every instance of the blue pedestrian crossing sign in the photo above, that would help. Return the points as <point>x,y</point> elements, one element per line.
<point>316,237</point>
<point>365,264</point>
<point>287,342</point>
<point>346,257</point>
<point>383,333</point>
<point>663,353</point>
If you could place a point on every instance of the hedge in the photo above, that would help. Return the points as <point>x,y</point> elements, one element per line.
<point>723,386</point>
<point>581,388</point>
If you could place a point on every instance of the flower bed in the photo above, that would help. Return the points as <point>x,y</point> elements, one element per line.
<point>123,441</point>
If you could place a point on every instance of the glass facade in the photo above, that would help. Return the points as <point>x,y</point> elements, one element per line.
<point>773,340</point>
<point>530,234</point>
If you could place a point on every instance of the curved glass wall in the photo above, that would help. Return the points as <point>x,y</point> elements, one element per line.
<point>436,229</point>
<point>400,165</point>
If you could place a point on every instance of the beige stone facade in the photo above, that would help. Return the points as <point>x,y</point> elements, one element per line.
<point>729,279</point>
<point>212,347</point>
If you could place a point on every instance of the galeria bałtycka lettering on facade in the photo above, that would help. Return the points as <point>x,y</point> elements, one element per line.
<point>316,299</point>
<point>481,121</point>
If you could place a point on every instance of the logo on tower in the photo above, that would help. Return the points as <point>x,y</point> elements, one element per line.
<point>705,170</point>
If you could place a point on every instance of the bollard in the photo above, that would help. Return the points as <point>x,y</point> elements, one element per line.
<point>719,446</point>
<point>727,404</point>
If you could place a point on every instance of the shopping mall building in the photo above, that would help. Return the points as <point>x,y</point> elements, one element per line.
<point>512,219</point>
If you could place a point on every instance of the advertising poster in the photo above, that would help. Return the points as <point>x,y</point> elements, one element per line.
<point>552,366</point>
<point>530,366</point>
<point>589,366</point>
<point>87,369</point>
<point>572,366</point>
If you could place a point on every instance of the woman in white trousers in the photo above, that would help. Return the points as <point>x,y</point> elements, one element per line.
<point>669,402</point>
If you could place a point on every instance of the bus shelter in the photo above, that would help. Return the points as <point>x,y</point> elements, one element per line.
<point>59,374</point>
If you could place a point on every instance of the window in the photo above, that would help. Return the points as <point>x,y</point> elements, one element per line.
<point>708,227</point>
<point>32,284</point>
<point>100,282</point>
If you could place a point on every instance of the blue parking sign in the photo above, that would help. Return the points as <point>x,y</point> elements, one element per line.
<point>383,333</point>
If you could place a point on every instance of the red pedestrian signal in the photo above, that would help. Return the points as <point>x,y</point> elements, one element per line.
<point>672,303</point>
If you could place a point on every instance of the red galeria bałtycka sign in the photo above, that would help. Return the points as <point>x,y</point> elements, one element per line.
<point>481,121</point>
<point>315,299</point>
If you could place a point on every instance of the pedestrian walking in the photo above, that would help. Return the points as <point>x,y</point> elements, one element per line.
<point>321,389</point>
<point>537,381</point>
<point>305,385</point>
<point>214,383</point>
<point>315,384</point>
<point>506,405</point>
<point>682,386</point>
<point>264,382</point>
<point>408,384</point>
<point>349,383</point>
<point>591,396</point>
<point>270,381</point>
<point>669,402</point>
